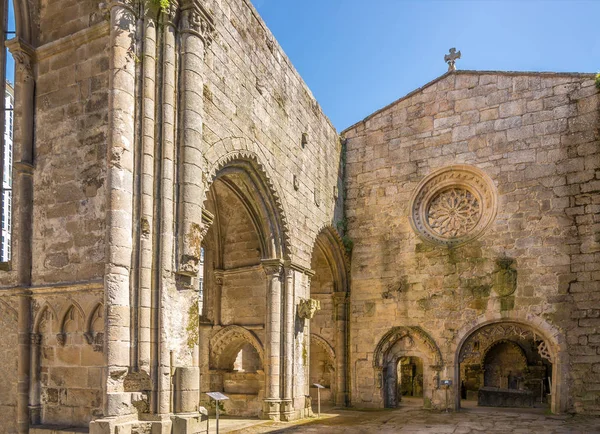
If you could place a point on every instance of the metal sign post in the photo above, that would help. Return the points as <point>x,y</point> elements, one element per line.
<point>446,384</point>
<point>319,387</point>
<point>217,396</point>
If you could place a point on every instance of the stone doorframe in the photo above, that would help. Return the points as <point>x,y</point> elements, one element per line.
<point>552,346</point>
<point>408,341</point>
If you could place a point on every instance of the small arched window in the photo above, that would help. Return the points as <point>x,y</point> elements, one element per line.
<point>7,68</point>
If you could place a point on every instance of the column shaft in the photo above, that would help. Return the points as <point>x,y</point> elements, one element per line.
<point>121,130</point>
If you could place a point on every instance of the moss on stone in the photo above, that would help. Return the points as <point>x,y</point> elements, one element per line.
<point>193,325</point>
<point>507,303</point>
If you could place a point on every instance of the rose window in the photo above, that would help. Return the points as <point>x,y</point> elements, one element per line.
<point>453,213</point>
<point>453,205</point>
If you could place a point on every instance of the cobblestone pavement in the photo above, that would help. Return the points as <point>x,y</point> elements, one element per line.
<point>416,420</point>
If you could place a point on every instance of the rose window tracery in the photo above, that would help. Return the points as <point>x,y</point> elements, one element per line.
<point>453,205</point>
<point>453,213</point>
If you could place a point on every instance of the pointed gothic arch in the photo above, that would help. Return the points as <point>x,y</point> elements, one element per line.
<point>405,341</point>
<point>270,205</point>
<point>225,344</point>
<point>549,340</point>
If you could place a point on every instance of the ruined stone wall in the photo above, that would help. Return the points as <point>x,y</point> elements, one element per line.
<point>253,92</point>
<point>69,227</point>
<point>8,361</point>
<point>536,137</point>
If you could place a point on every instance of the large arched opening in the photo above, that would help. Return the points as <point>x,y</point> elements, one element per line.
<point>509,363</point>
<point>407,363</point>
<point>243,250</point>
<point>328,328</point>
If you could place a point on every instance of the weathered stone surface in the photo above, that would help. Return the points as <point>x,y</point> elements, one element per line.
<point>161,139</point>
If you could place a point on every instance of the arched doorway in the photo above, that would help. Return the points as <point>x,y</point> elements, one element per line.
<point>243,251</point>
<point>328,364</point>
<point>509,364</point>
<point>407,362</point>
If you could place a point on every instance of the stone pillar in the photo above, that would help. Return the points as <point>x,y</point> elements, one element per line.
<point>147,221</point>
<point>287,410</point>
<point>23,208</point>
<point>196,28</point>
<point>272,363</point>
<point>35,407</point>
<point>218,293</point>
<point>121,128</point>
<point>340,300</point>
<point>161,374</point>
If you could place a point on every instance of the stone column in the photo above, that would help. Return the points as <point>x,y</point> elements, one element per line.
<point>161,373</point>
<point>218,294</point>
<point>23,208</point>
<point>121,127</point>
<point>196,28</point>
<point>147,222</point>
<point>287,409</point>
<point>34,385</point>
<point>340,300</point>
<point>272,363</point>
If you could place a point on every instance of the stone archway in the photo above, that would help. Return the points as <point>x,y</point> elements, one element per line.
<point>244,248</point>
<point>400,342</point>
<point>329,328</point>
<point>546,341</point>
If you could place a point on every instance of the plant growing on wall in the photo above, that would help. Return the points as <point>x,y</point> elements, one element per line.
<point>162,4</point>
<point>598,80</point>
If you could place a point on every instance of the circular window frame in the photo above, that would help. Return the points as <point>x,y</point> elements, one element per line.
<point>462,177</point>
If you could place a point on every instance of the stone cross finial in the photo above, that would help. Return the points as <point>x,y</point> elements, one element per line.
<point>451,59</point>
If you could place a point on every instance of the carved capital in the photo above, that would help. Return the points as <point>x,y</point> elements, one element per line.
<point>307,308</point>
<point>273,267</point>
<point>171,12</point>
<point>219,277</point>
<point>196,19</point>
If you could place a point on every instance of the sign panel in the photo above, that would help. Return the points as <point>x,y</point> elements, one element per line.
<point>217,396</point>
<point>318,386</point>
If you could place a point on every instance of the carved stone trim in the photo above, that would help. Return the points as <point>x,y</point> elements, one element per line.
<point>23,63</point>
<point>477,344</point>
<point>415,335</point>
<point>196,19</point>
<point>453,206</point>
<point>307,308</point>
<point>273,267</point>
<point>228,336</point>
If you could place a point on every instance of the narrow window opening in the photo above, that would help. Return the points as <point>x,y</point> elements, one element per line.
<point>7,66</point>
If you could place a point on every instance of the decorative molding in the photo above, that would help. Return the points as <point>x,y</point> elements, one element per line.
<point>453,205</point>
<point>248,156</point>
<point>322,342</point>
<point>477,344</point>
<point>414,335</point>
<point>273,267</point>
<point>23,168</point>
<point>197,20</point>
<point>72,42</point>
<point>231,335</point>
<point>308,308</point>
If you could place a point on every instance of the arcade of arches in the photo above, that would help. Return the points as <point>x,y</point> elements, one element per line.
<point>186,219</point>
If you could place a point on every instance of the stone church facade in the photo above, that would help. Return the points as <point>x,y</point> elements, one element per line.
<point>452,235</point>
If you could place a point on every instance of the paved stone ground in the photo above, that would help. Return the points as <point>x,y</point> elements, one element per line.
<point>416,420</point>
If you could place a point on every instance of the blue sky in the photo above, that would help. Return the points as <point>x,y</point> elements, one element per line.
<point>359,55</point>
